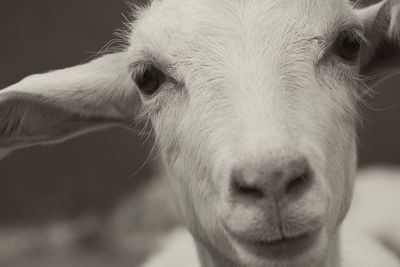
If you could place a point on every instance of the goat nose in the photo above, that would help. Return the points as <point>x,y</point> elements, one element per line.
<point>276,179</point>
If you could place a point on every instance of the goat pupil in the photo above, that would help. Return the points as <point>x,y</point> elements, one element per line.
<point>348,46</point>
<point>150,80</point>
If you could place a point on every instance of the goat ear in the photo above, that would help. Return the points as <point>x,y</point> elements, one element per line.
<point>380,56</point>
<point>56,105</point>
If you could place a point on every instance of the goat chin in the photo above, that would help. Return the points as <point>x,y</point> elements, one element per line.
<point>370,234</point>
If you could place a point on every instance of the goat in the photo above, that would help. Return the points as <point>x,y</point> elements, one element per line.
<point>254,105</point>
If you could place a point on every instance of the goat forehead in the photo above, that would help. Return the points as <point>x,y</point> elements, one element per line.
<point>173,27</point>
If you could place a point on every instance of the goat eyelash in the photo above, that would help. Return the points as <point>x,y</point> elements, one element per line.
<point>138,67</point>
<point>328,41</point>
<point>147,57</point>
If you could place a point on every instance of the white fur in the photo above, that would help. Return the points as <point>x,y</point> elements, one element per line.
<point>178,250</point>
<point>251,84</point>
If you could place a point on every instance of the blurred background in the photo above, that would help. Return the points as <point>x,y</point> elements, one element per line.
<point>89,201</point>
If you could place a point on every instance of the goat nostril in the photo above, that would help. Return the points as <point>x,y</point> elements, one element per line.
<point>290,181</point>
<point>298,184</point>
<point>244,190</point>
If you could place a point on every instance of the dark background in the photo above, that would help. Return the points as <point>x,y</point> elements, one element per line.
<point>92,173</point>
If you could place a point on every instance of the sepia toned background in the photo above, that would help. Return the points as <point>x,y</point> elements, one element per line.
<point>61,205</point>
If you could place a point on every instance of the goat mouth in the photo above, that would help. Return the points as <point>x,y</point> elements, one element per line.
<point>280,249</point>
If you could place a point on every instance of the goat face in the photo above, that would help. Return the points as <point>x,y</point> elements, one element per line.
<point>254,106</point>
<point>255,117</point>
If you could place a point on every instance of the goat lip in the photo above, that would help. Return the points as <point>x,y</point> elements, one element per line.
<point>282,248</point>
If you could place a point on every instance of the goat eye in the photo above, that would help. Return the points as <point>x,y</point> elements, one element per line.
<point>149,80</point>
<point>348,46</point>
